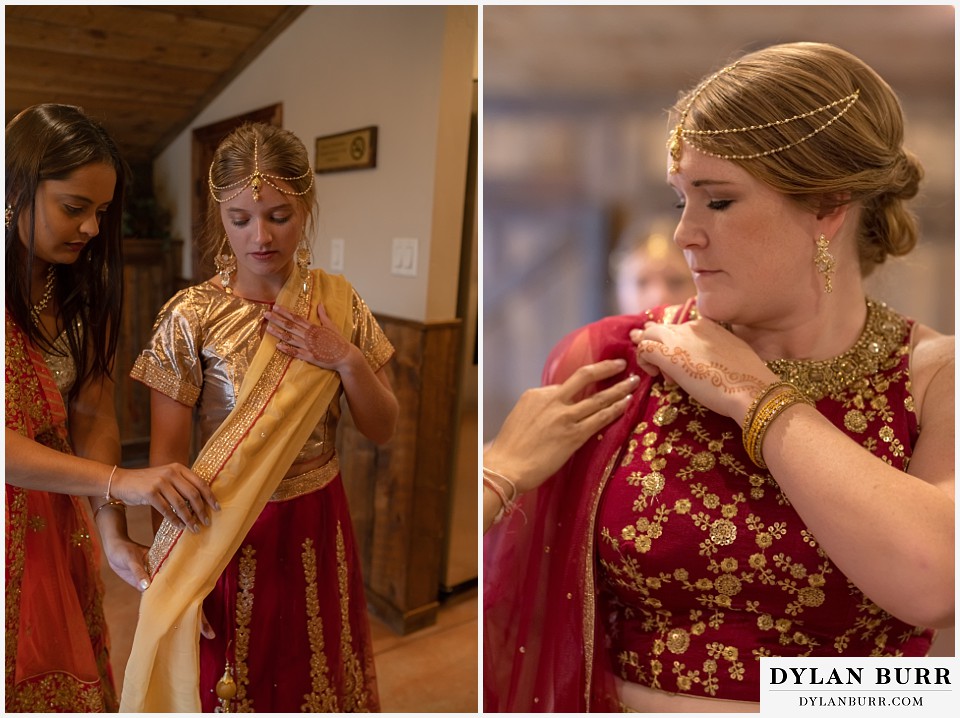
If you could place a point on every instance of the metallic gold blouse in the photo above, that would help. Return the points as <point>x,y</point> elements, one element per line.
<point>203,342</point>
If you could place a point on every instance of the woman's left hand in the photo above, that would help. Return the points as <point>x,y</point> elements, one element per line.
<point>127,558</point>
<point>322,345</point>
<point>712,365</point>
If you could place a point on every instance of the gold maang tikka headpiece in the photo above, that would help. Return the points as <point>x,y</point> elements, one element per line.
<point>680,133</point>
<point>255,181</point>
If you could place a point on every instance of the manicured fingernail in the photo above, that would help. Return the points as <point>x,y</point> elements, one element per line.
<point>633,378</point>
<point>621,362</point>
<point>144,584</point>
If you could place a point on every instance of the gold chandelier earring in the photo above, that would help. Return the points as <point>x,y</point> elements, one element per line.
<point>825,262</point>
<point>8,217</point>
<point>226,264</point>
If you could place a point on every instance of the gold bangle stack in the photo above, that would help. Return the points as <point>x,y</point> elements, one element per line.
<point>766,407</point>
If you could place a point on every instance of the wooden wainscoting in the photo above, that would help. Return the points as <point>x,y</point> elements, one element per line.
<point>399,493</point>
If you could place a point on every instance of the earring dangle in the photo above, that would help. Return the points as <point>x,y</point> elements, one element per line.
<point>303,261</point>
<point>8,217</point>
<point>226,264</point>
<point>825,262</point>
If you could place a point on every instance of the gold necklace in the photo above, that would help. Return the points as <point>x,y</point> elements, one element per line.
<point>882,333</point>
<point>45,299</point>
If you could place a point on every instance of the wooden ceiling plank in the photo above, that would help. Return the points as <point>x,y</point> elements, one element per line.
<point>281,23</point>
<point>163,51</point>
<point>144,72</point>
<point>108,21</point>
<point>258,16</point>
<point>65,67</point>
<point>144,97</point>
<point>120,112</point>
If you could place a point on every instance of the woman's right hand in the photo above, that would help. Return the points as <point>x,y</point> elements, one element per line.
<point>548,424</point>
<point>178,494</point>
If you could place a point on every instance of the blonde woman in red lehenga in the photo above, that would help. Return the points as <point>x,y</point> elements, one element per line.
<point>263,352</point>
<point>783,482</point>
<point>64,192</point>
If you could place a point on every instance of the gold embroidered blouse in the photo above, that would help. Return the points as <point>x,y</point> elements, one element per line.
<point>705,567</point>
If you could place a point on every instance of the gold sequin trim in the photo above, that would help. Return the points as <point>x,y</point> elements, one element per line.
<point>165,382</point>
<point>379,355</point>
<point>314,480</point>
<point>882,333</point>
<point>322,698</point>
<point>235,429</point>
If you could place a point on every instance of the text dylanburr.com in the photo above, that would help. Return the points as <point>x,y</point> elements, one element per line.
<point>859,686</point>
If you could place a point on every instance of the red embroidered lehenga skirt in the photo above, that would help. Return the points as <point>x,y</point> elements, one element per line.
<point>290,615</point>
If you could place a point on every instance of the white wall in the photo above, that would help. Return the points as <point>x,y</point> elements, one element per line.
<point>407,70</point>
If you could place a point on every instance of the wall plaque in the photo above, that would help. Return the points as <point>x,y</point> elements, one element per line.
<point>352,150</point>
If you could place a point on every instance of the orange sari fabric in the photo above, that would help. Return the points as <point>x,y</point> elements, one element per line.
<point>57,657</point>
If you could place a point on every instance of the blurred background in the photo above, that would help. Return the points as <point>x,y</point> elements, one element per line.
<point>574,132</point>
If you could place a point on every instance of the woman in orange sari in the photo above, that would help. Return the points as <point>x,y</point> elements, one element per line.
<point>262,352</point>
<point>64,189</point>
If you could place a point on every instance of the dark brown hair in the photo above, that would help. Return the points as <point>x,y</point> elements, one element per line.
<point>50,142</point>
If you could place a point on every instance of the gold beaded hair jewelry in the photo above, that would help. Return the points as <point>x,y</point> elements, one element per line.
<point>255,181</point>
<point>680,133</point>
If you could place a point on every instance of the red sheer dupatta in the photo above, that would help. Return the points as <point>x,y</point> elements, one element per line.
<point>56,640</point>
<point>544,647</point>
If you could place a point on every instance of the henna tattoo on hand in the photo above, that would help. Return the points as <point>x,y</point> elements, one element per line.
<point>326,345</point>
<point>717,374</point>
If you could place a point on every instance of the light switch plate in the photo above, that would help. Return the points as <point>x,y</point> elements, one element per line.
<point>403,261</point>
<point>336,255</point>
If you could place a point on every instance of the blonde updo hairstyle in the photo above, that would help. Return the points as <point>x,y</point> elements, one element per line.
<point>858,158</point>
<point>275,152</point>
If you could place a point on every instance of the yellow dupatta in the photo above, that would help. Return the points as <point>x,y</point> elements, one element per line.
<point>279,403</point>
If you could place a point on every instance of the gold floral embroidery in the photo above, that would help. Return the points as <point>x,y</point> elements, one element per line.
<point>244,614</point>
<point>723,532</point>
<point>37,523</point>
<point>680,445</point>
<point>855,421</point>
<point>677,641</point>
<point>56,692</point>
<point>354,693</point>
<point>80,537</point>
<point>322,698</point>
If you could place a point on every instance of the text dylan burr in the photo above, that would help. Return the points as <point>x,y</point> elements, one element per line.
<point>911,675</point>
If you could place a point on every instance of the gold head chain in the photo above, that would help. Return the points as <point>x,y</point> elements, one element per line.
<point>255,181</point>
<point>679,133</point>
